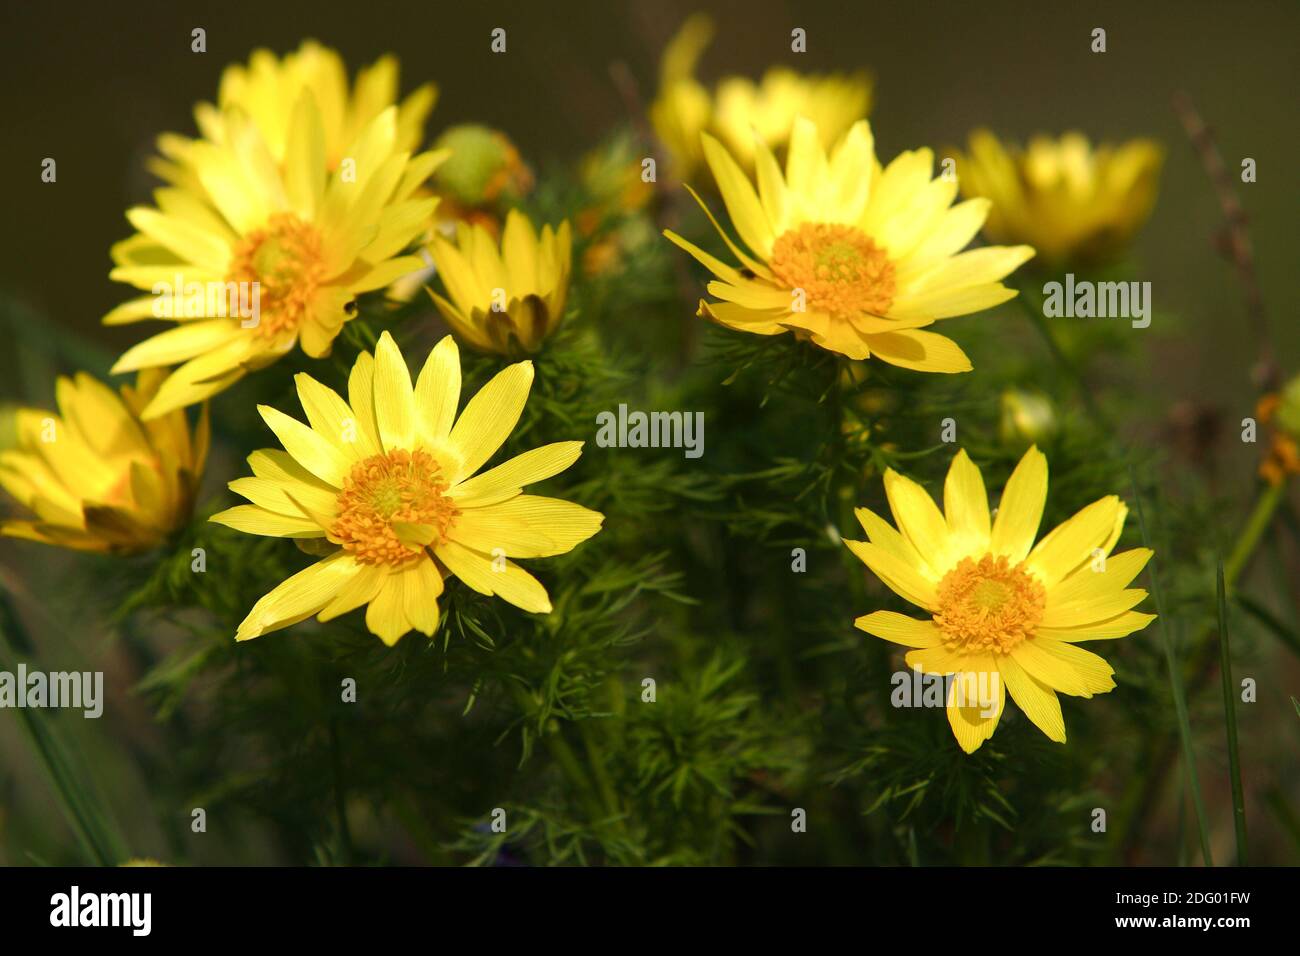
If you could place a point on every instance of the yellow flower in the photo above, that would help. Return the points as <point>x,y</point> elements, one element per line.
<point>506,299</point>
<point>1005,615</point>
<point>267,90</point>
<point>99,478</point>
<point>1067,200</point>
<point>269,254</point>
<point>390,477</point>
<point>740,107</point>
<point>857,258</point>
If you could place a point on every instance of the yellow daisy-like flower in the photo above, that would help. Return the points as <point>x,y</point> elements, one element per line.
<point>740,107</point>
<point>99,478</point>
<point>267,90</point>
<point>508,299</point>
<point>1069,201</point>
<point>271,253</point>
<point>857,258</point>
<point>390,477</point>
<point>1005,614</point>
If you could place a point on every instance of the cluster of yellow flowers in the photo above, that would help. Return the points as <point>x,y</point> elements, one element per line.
<point>314,192</point>
<point>309,194</point>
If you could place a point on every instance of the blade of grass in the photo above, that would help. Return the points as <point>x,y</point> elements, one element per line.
<point>1230,714</point>
<point>99,841</point>
<point>1175,681</point>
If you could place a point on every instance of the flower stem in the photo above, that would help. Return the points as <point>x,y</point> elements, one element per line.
<point>1230,720</point>
<point>1031,303</point>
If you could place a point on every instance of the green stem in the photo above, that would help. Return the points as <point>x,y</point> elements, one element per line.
<point>70,780</point>
<point>1034,311</point>
<point>1230,708</point>
<point>1260,517</point>
<point>564,756</point>
<point>1175,684</point>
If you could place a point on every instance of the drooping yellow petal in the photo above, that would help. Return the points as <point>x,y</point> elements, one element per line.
<point>1035,698</point>
<point>976,699</point>
<point>298,597</point>
<point>497,576</point>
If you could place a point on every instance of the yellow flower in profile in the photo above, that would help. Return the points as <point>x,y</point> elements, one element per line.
<point>97,477</point>
<point>269,255</point>
<point>740,107</point>
<point>390,477</point>
<point>856,258</point>
<point>267,91</point>
<point>1004,614</point>
<point>508,299</point>
<point>1069,201</point>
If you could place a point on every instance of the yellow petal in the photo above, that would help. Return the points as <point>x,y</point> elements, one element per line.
<point>882,533</point>
<point>526,526</point>
<point>420,593</point>
<point>314,452</point>
<point>490,416</point>
<point>437,391</point>
<point>742,202</point>
<point>1073,542</point>
<point>1021,508</point>
<point>394,396</point>
<point>900,577</point>
<point>1122,625</point>
<point>508,478</point>
<point>920,351</point>
<point>899,628</point>
<point>938,660</point>
<point>966,507</point>
<point>1035,698</point>
<point>332,419</point>
<point>919,519</point>
<point>299,597</point>
<point>511,583</point>
<point>976,699</point>
<point>252,519</point>
<point>386,615</point>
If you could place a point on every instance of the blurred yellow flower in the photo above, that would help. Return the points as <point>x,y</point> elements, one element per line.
<point>267,91</point>
<point>1026,418</point>
<point>1069,201</point>
<point>268,255</point>
<point>508,299</point>
<point>484,167</point>
<point>1005,615</point>
<point>738,107</point>
<point>97,477</point>
<point>390,477</point>
<point>857,258</point>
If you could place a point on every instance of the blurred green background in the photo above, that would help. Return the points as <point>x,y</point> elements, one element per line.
<point>93,85</point>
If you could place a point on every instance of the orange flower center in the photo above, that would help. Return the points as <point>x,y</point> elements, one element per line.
<point>839,268</point>
<point>390,503</point>
<point>988,605</point>
<point>287,261</point>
